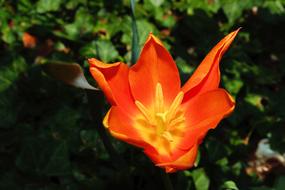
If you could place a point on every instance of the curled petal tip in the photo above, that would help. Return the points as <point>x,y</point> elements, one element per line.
<point>233,104</point>
<point>99,64</point>
<point>153,38</point>
<point>238,29</point>
<point>150,36</point>
<point>233,34</point>
<point>92,62</point>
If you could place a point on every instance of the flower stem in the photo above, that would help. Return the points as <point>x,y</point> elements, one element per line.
<point>166,180</point>
<point>135,35</point>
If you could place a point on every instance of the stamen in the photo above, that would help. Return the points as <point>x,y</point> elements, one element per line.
<point>177,127</point>
<point>175,104</point>
<point>168,136</point>
<point>176,121</point>
<point>162,124</point>
<point>144,110</point>
<point>159,98</point>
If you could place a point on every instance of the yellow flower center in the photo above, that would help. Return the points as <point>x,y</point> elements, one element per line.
<point>162,125</point>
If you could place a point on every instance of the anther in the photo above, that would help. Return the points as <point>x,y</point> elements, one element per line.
<point>175,104</point>
<point>144,110</point>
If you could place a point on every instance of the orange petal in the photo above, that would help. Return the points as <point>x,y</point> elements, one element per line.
<point>121,126</point>
<point>204,112</point>
<point>113,80</point>
<point>153,154</point>
<point>185,161</point>
<point>154,65</point>
<point>207,76</point>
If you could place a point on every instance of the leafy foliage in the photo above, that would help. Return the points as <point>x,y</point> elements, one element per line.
<point>48,138</point>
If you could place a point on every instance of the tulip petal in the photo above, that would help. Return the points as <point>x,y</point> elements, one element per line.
<point>155,65</point>
<point>185,161</point>
<point>204,112</point>
<point>113,80</point>
<point>207,76</point>
<point>121,126</point>
<point>154,155</point>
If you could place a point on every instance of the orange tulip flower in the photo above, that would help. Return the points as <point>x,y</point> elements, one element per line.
<point>150,109</point>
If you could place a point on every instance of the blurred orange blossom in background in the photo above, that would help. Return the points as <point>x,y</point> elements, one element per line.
<point>29,41</point>
<point>150,109</point>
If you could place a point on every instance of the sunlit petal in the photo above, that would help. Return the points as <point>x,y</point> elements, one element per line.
<point>204,112</point>
<point>113,80</point>
<point>155,65</point>
<point>207,76</point>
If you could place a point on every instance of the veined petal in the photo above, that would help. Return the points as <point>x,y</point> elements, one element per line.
<point>185,161</point>
<point>207,76</point>
<point>155,65</point>
<point>121,126</point>
<point>113,80</point>
<point>204,112</point>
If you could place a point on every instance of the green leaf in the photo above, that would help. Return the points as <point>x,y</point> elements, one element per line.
<point>215,149</point>
<point>71,31</point>
<point>207,6</point>
<point>183,66</point>
<point>29,158</point>
<point>157,3</point>
<point>275,7</point>
<point>58,163</point>
<point>144,28</point>
<point>83,24</point>
<point>8,35</point>
<point>71,4</point>
<point>255,100</point>
<point>229,185</point>
<point>8,111</point>
<point>89,138</point>
<point>9,73</point>
<point>48,5</point>
<point>101,49</point>
<point>280,183</point>
<point>200,179</point>
<point>232,10</point>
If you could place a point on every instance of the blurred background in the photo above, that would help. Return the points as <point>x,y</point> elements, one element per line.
<point>47,137</point>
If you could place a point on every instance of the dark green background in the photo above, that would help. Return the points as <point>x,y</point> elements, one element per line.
<point>47,137</point>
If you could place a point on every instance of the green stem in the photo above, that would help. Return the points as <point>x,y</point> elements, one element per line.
<point>166,180</point>
<point>135,35</point>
